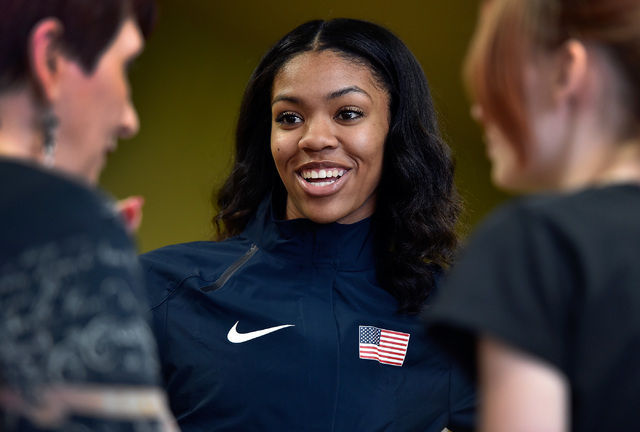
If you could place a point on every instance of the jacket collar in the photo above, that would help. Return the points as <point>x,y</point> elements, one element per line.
<point>306,242</point>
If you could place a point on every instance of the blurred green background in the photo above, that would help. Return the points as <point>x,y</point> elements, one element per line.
<point>188,84</point>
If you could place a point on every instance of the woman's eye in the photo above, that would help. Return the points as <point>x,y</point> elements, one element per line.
<point>288,118</point>
<point>349,114</point>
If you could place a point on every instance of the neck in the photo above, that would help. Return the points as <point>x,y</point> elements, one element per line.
<point>20,135</point>
<point>604,164</point>
<point>623,165</point>
<point>598,152</point>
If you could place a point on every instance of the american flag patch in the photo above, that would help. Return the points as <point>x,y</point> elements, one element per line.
<point>385,346</point>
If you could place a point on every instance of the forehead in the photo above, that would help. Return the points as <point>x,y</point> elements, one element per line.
<point>324,71</point>
<point>128,41</point>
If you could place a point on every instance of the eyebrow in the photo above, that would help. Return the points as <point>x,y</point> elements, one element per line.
<point>339,93</point>
<point>330,96</point>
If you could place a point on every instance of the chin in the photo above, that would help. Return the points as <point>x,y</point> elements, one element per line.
<point>322,216</point>
<point>517,185</point>
<point>322,219</point>
<point>324,212</point>
<point>504,182</point>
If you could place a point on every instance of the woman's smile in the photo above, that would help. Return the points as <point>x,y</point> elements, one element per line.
<point>322,179</point>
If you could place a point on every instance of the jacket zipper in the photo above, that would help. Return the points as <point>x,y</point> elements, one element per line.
<point>219,283</point>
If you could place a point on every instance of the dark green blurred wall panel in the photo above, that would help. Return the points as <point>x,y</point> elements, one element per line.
<point>188,84</point>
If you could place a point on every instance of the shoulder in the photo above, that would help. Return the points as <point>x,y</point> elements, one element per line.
<point>566,219</point>
<point>167,267</point>
<point>41,206</point>
<point>522,239</point>
<point>39,187</point>
<point>530,208</point>
<point>55,226</point>
<point>63,243</point>
<point>193,256</point>
<point>522,215</point>
<point>514,279</point>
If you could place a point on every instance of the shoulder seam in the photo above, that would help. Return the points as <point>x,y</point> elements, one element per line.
<point>172,293</point>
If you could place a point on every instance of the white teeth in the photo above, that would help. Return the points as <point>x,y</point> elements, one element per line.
<point>319,184</point>
<point>313,174</point>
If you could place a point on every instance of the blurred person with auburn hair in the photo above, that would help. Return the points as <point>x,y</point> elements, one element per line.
<point>548,288</point>
<point>76,353</point>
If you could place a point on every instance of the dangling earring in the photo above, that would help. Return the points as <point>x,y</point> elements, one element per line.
<point>49,124</point>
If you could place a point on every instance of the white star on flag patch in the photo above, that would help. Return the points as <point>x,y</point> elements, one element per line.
<point>385,346</point>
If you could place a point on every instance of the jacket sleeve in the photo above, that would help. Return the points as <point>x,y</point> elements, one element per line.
<point>462,404</point>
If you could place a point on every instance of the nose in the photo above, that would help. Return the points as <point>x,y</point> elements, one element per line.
<point>130,124</point>
<point>319,134</point>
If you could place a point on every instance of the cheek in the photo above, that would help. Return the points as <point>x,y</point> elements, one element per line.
<point>103,95</point>
<point>281,151</point>
<point>549,135</point>
<point>503,169</point>
<point>503,156</point>
<point>370,146</point>
<point>75,107</point>
<point>110,84</point>
<point>276,147</point>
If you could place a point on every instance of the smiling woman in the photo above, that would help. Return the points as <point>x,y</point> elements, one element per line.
<point>329,116</point>
<point>337,223</point>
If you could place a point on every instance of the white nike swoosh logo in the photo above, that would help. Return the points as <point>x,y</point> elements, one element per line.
<point>235,337</point>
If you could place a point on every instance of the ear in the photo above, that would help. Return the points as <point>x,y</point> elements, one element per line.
<point>571,70</point>
<point>45,57</point>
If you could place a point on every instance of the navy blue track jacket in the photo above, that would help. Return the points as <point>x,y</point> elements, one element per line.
<point>285,328</point>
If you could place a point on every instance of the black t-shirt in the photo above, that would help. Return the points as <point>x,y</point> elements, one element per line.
<point>71,297</point>
<point>559,277</point>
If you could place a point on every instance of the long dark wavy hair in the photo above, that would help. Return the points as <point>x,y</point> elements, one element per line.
<point>417,201</point>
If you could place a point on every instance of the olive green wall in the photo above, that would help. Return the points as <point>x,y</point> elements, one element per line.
<point>188,84</point>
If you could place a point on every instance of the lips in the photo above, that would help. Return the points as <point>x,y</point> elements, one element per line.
<point>112,146</point>
<point>321,180</point>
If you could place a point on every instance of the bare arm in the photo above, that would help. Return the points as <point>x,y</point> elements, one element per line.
<point>518,392</point>
<point>104,402</point>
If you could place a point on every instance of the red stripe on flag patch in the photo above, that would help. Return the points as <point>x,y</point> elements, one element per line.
<point>384,346</point>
